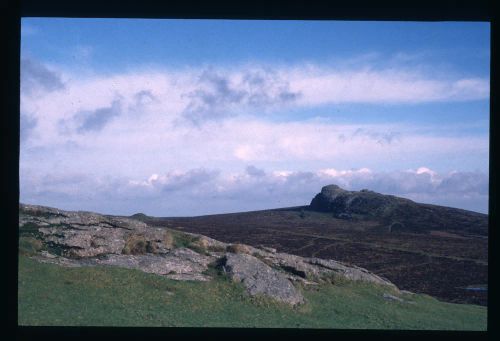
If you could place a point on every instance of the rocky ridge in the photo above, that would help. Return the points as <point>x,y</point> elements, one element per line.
<point>77,239</point>
<point>395,213</point>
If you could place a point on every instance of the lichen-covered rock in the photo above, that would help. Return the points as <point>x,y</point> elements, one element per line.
<point>295,265</point>
<point>192,256</point>
<point>84,243</point>
<point>352,272</point>
<point>77,220</point>
<point>316,269</point>
<point>208,242</point>
<point>161,265</point>
<point>91,239</point>
<point>82,234</point>
<point>259,278</point>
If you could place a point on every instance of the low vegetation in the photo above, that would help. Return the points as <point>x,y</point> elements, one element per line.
<point>136,244</point>
<point>238,248</point>
<point>168,239</point>
<point>111,296</point>
<point>180,239</point>
<point>29,245</point>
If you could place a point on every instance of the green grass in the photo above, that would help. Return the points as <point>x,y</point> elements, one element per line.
<point>181,239</point>
<point>110,296</point>
<point>29,245</point>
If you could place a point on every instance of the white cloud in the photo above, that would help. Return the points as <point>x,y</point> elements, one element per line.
<point>128,134</point>
<point>320,86</point>
<point>161,100</point>
<point>204,94</point>
<point>176,180</point>
<point>140,146</point>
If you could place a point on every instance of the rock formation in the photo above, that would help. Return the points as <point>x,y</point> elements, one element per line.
<point>260,278</point>
<point>339,201</point>
<point>395,213</point>
<point>77,239</point>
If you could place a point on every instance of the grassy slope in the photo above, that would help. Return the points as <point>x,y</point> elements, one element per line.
<point>108,296</point>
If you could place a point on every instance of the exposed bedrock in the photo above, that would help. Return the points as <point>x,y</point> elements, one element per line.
<point>260,279</point>
<point>397,214</point>
<point>88,239</point>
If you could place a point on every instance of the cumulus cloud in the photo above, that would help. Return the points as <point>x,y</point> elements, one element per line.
<point>177,180</point>
<point>131,147</point>
<point>204,191</point>
<point>281,188</point>
<point>466,183</point>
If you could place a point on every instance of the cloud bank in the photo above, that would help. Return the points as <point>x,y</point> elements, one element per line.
<point>205,140</point>
<point>174,192</point>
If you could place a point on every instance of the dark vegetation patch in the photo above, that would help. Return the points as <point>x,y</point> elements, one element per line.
<point>216,269</point>
<point>139,216</point>
<point>136,245</point>
<point>419,261</point>
<point>60,250</point>
<point>29,228</point>
<point>40,213</point>
<point>294,271</point>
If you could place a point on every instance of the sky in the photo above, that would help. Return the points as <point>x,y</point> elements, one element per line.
<point>173,117</point>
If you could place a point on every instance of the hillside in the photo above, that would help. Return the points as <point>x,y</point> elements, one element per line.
<point>436,250</point>
<point>83,268</point>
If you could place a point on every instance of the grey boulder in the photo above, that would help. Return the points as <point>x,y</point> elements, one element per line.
<point>260,279</point>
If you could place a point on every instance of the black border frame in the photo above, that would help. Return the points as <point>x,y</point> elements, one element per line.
<point>380,10</point>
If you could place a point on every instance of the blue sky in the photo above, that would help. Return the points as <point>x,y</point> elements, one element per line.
<point>121,43</point>
<point>185,117</point>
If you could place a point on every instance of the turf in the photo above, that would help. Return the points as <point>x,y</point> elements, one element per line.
<point>109,296</point>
